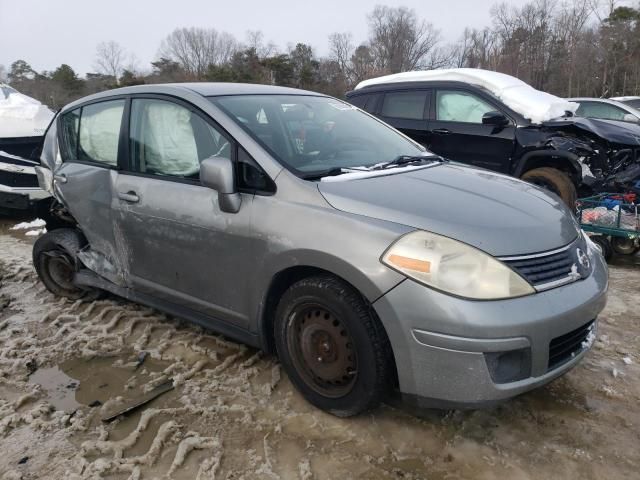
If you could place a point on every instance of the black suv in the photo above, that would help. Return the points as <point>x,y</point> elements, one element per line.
<point>467,123</point>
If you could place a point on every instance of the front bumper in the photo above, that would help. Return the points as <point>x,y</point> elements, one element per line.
<point>443,344</point>
<point>20,198</point>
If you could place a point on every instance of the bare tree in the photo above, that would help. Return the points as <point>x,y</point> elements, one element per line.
<point>341,49</point>
<point>195,49</point>
<point>3,73</point>
<point>399,41</point>
<point>255,41</point>
<point>110,58</point>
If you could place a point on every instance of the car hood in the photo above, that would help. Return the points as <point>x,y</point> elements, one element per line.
<point>622,133</point>
<point>493,212</point>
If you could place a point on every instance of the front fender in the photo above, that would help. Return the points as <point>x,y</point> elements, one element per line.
<point>546,158</point>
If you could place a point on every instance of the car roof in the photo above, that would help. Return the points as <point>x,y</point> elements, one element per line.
<point>206,89</point>
<point>627,98</point>
<point>418,84</point>
<point>209,89</point>
<point>414,84</point>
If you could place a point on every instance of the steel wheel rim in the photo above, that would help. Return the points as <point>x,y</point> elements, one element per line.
<point>322,350</point>
<point>624,246</point>
<point>60,271</point>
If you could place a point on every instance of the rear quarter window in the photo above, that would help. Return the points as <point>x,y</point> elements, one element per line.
<point>69,123</point>
<point>359,101</point>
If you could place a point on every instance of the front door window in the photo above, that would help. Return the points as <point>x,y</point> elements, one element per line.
<point>168,139</point>
<point>459,106</point>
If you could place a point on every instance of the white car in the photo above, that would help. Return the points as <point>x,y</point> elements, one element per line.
<point>606,109</point>
<point>634,101</point>
<point>23,122</point>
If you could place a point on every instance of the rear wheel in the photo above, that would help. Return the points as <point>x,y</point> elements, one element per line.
<point>555,181</point>
<point>624,246</point>
<point>54,260</point>
<point>332,346</point>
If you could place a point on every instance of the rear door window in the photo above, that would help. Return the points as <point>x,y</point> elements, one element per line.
<point>407,105</point>
<point>169,139</point>
<point>99,132</point>
<point>92,133</point>
<point>460,106</point>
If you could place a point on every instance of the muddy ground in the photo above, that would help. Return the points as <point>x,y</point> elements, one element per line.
<point>234,415</point>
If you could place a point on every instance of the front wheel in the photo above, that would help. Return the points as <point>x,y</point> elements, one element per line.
<point>333,347</point>
<point>555,181</point>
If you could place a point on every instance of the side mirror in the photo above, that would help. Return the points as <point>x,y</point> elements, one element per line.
<point>496,119</point>
<point>217,174</point>
<point>630,117</point>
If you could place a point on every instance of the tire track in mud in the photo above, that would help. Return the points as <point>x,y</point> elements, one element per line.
<point>234,415</point>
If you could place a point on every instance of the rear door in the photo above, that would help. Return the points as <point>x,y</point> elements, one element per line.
<point>407,111</point>
<point>179,245</point>
<point>457,131</point>
<point>89,139</point>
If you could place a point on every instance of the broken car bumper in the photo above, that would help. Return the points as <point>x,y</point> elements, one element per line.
<point>453,352</point>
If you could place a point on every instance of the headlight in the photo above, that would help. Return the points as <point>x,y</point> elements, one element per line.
<point>454,267</point>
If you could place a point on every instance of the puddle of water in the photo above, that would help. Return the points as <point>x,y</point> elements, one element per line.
<point>78,382</point>
<point>60,388</point>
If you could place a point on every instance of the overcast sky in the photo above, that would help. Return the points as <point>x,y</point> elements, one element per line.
<point>47,33</point>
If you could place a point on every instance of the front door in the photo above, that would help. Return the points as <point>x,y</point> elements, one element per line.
<point>457,131</point>
<point>179,246</point>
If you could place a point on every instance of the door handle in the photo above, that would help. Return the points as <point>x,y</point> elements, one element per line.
<point>130,197</point>
<point>441,131</point>
<point>62,178</point>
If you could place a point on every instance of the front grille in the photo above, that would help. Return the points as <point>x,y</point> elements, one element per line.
<point>542,269</point>
<point>565,347</point>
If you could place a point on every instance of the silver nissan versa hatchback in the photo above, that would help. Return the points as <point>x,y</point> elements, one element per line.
<point>299,224</point>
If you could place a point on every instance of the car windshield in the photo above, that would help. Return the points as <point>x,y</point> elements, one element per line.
<point>311,134</point>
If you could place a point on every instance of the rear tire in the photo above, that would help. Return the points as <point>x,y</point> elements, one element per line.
<point>624,246</point>
<point>333,347</point>
<point>54,258</point>
<point>555,181</point>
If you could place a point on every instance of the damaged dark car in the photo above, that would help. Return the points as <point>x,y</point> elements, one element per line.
<point>497,122</point>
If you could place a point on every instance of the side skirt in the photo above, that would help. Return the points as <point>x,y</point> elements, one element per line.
<point>87,278</point>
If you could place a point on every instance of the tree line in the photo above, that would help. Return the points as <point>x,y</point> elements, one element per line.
<point>566,47</point>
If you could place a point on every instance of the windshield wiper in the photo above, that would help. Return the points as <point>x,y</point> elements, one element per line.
<point>408,160</point>
<point>399,161</point>
<point>317,175</point>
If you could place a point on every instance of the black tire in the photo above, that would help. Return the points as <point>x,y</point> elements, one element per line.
<point>362,345</point>
<point>555,181</point>
<point>624,246</point>
<point>54,258</point>
<point>604,244</point>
